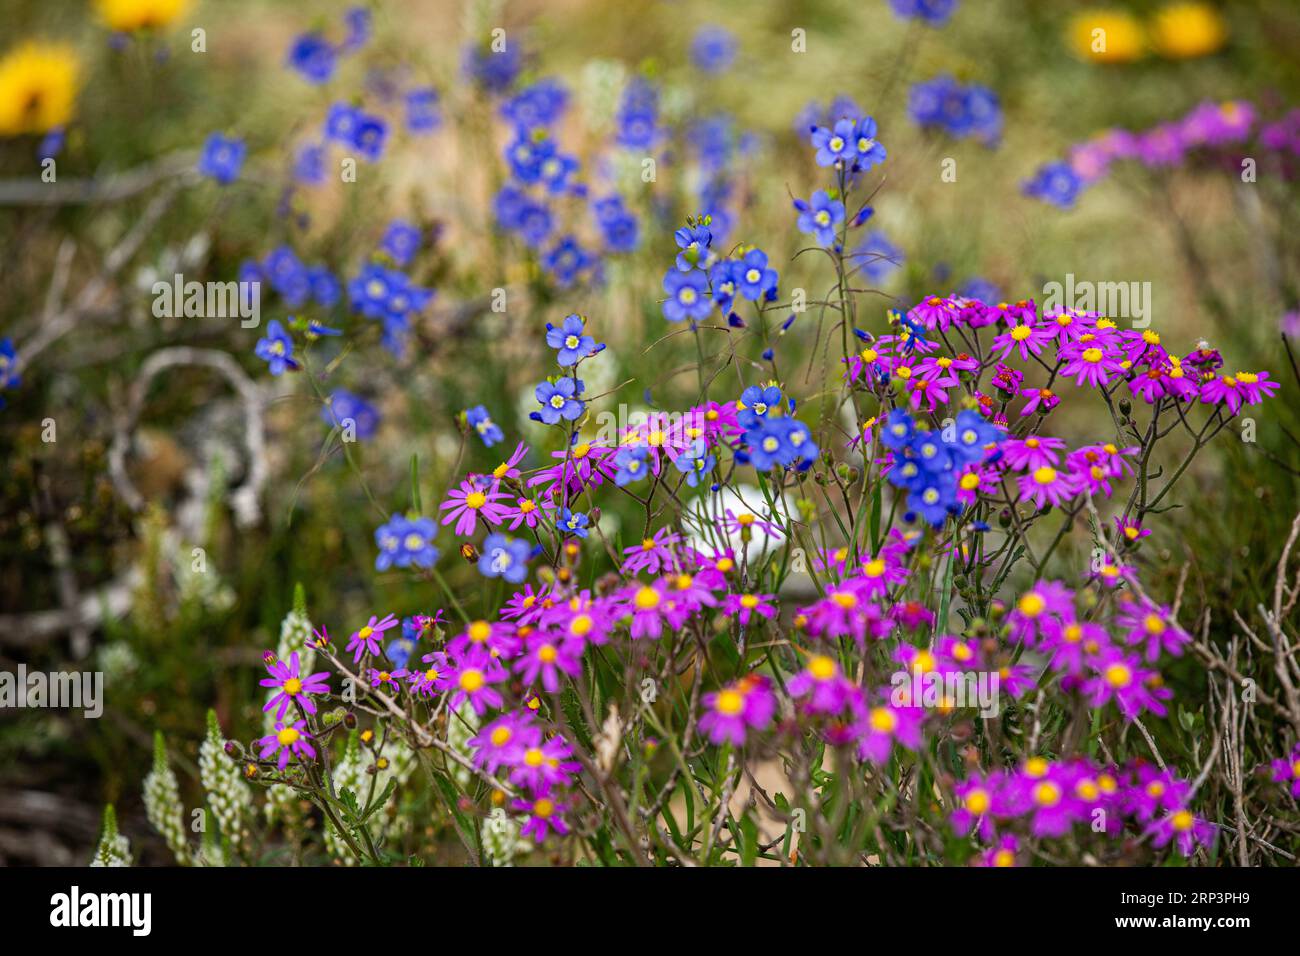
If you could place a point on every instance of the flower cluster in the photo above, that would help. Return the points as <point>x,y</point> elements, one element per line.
<point>1221,133</point>
<point>959,109</point>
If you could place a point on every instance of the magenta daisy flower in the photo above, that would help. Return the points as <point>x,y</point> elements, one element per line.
<point>1286,771</point>
<point>1041,400</point>
<point>504,740</point>
<point>546,657</point>
<point>746,704</point>
<point>292,686</point>
<point>499,638</point>
<point>646,604</point>
<point>527,511</point>
<point>883,726</point>
<point>289,740</point>
<point>746,606</point>
<point>1023,338</point>
<point>437,675</point>
<point>653,555</point>
<point>827,690</point>
<point>526,606</point>
<point>545,764</point>
<point>1045,485</point>
<point>1186,830</point>
<point>545,815</point>
<point>366,640</point>
<point>1093,363</point>
<point>1025,454</point>
<point>388,680</point>
<point>1120,677</point>
<point>1153,626</point>
<point>474,674</point>
<point>465,504</point>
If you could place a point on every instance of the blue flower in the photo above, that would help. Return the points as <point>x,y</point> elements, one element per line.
<point>630,461</point>
<point>620,228</point>
<point>341,123</point>
<point>537,105</point>
<point>931,452</point>
<point>638,115</point>
<point>370,137</point>
<point>357,22</point>
<point>276,349</point>
<point>288,276</point>
<point>324,286</point>
<point>713,49</point>
<point>571,339</point>
<point>52,144</point>
<point>694,240</point>
<point>1055,183</point>
<point>756,280</point>
<point>345,407</point>
<point>724,277</point>
<point>401,241</point>
<point>799,438</point>
<point>517,212</point>
<point>977,287</point>
<point>222,158</point>
<point>898,430</point>
<point>767,445</point>
<point>9,377</point>
<point>820,216</point>
<point>687,296</point>
<point>313,57</point>
<point>867,151</point>
<point>757,403</point>
<point>399,649</point>
<point>494,70</point>
<point>573,522</point>
<point>404,541</point>
<point>836,144</point>
<point>566,259</point>
<point>985,113</point>
<point>504,557</point>
<point>422,115</point>
<point>933,12</point>
<point>316,329</point>
<point>559,400</point>
<point>309,166</point>
<point>877,257</point>
<point>969,435</point>
<point>906,473</point>
<point>482,423</point>
<point>695,463</point>
<point>959,110</point>
<point>934,497</point>
<point>556,171</point>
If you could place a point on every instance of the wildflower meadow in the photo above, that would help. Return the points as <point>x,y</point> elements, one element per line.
<point>578,434</point>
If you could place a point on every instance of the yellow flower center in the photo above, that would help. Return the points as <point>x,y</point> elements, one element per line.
<point>821,668</point>
<point>729,702</point>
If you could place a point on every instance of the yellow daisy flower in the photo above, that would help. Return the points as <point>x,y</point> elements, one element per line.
<point>127,16</point>
<point>1182,31</point>
<point>1106,36</point>
<point>38,88</point>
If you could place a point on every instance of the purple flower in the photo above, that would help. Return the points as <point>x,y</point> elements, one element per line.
<point>292,686</point>
<point>290,739</point>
